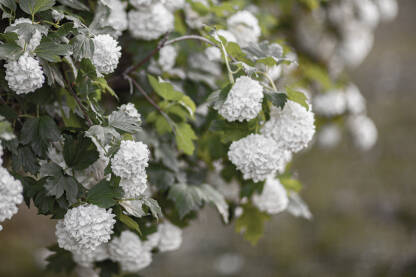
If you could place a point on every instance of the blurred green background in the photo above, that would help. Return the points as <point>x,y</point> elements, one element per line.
<point>364,204</point>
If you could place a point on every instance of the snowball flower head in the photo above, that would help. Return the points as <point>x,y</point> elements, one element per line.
<point>273,198</point>
<point>130,110</point>
<point>355,100</point>
<point>24,75</point>
<point>257,156</point>
<point>167,238</point>
<point>86,257</point>
<point>363,131</point>
<point>292,128</point>
<point>356,45</point>
<point>11,194</point>
<point>141,4</point>
<point>131,159</point>
<point>134,186</point>
<point>243,101</point>
<point>151,23</point>
<point>106,54</point>
<point>388,9</point>
<point>173,5</point>
<point>167,57</point>
<point>118,16</point>
<point>329,104</point>
<point>245,27</point>
<point>329,136</point>
<point>85,227</point>
<point>129,251</point>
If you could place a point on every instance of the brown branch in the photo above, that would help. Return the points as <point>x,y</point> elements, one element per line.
<point>144,93</point>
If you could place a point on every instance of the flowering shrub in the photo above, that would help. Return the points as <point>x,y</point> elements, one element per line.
<point>122,119</point>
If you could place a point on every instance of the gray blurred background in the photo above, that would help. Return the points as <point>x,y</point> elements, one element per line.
<point>364,204</point>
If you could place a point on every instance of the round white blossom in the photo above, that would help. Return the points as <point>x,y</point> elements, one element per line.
<point>193,18</point>
<point>292,128</point>
<point>368,13</point>
<point>85,227</point>
<point>167,238</point>
<point>226,34</point>
<point>355,100</point>
<point>129,251</point>
<point>24,75</point>
<point>130,110</point>
<point>131,159</point>
<point>388,9</point>
<point>329,136</point>
<point>106,54</point>
<point>329,104</point>
<point>257,156</point>
<point>243,101</point>
<point>11,194</point>
<point>134,186</point>
<point>151,23</point>
<point>356,45</point>
<point>245,27</point>
<point>167,57</point>
<point>273,198</point>
<point>363,130</point>
<point>118,15</point>
<point>86,257</point>
<point>173,5</point>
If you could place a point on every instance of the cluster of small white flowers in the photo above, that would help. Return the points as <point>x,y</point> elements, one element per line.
<point>167,58</point>
<point>173,5</point>
<point>356,102</point>
<point>86,257</point>
<point>167,238</point>
<point>193,18</point>
<point>141,4</point>
<point>329,136</point>
<point>257,157</point>
<point>118,15</point>
<point>151,23</point>
<point>11,195</point>
<point>329,104</point>
<point>130,252</point>
<point>243,101</point>
<point>130,110</point>
<point>130,164</point>
<point>24,75</point>
<point>84,228</point>
<point>292,128</point>
<point>273,198</point>
<point>245,27</point>
<point>106,54</point>
<point>363,130</point>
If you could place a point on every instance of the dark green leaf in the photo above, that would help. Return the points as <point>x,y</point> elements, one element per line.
<point>104,194</point>
<point>186,198</point>
<point>251,223</point>
<point>10,50</point>
<point>278,99</point>
<point>83,47</point>
<point>79,153</point>
<point>10,4</point>
<point>51,51</point>
<point>33,6</point>
<point>60,261</point>
<point>129,222</point>
<point>53,73</point>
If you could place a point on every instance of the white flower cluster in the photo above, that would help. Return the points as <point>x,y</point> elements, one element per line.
<point>244,100</point>
<point>329,104</point>
<point>329,136</point>
<point>24,75</point>
<point>166,61</point>
<point>273,198</point>
<point>150,22</point>
<point>85,228</point>
<point>117,18</point>
<point>130,110</point>
<point>11,195</point>
<point>130,252</point>
<point>86,257</point>
<point>167,238</point>
<point>292,128</point>
<point>257,157</point>
<point>130,164</point>
<point>245,27</point>
<point>106,54</point>
<point>363,130</point>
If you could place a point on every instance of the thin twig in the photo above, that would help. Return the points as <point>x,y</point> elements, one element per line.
<point>84,111</point>
<point>143,92</point>
<point>190,37</point>
<point>148,57</point>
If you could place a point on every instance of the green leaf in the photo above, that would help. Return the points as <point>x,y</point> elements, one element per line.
<point>53,73</point>
<point>39,132</point>
<point>297,97</point>
<point>33,6</point>
<point>154,207</point>
<point>51,51</point>
<point>278,99</point>
<point>186,198</point>
<point>235,51</point>
<point>251,223</point>
<point>60,261</point>
<point>211,195</point>
<point>83,47</point>
<point>25,159</point>
<point>184,137</point>
<point>10,50</point>
<point>104,194</point>
<point>165,89</point>
<point>10,4</point>
<point>88,69</point>
<point>58,184</point>
<point>9,37</point>
<point>79,153</point>
<point>130,223</point>
<point>290,183</point>
<point>122,121</point>
<point>75,4</point>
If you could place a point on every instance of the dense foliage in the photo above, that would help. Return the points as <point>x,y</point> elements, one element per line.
<point>123,119</point>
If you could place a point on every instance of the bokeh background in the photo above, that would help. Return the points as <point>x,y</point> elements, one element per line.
<point>364,204</point>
